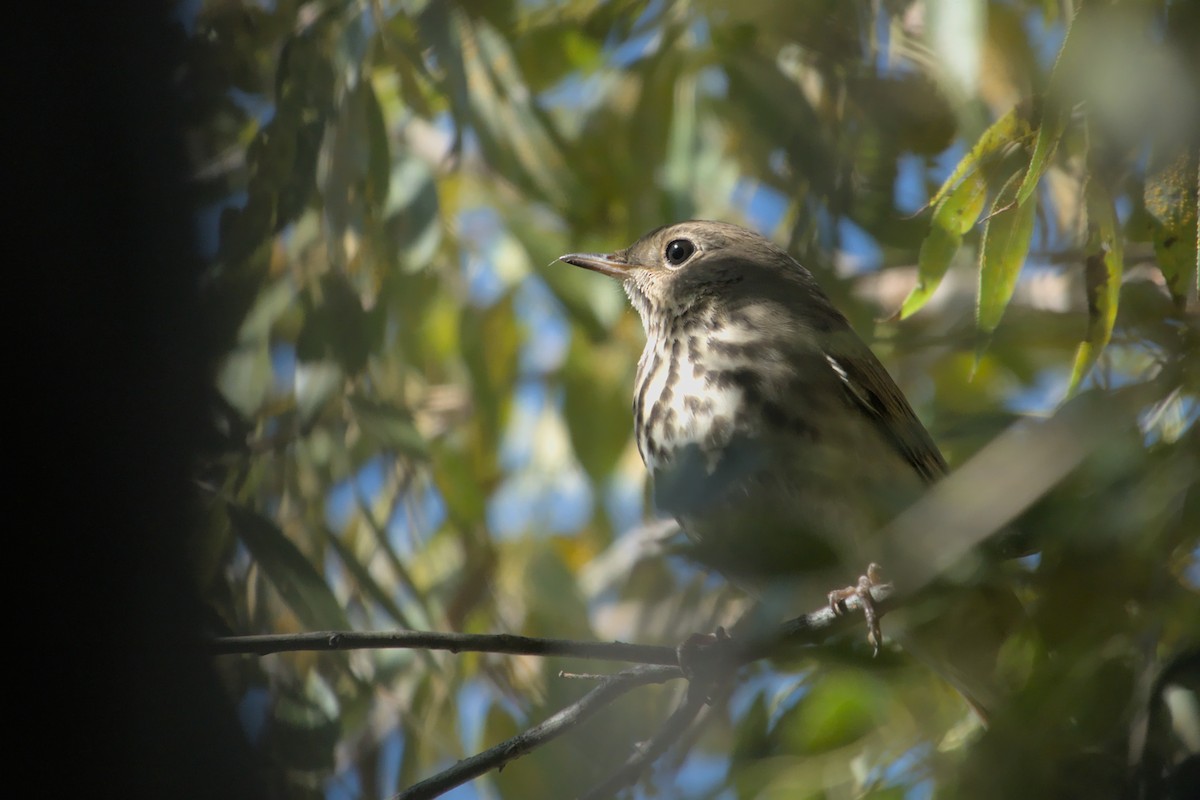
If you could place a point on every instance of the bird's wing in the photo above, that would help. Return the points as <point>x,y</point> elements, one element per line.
<point>872,391</point>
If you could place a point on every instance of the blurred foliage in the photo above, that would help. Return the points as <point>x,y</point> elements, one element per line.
<point>426,421</point>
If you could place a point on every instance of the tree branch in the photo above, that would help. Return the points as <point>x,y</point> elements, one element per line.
<point>454,642</point>
<point>558,724</point>
<point>675,725</point>
<point>708,666</point>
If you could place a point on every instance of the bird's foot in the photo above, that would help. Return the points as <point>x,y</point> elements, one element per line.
<point>699,655</point>
<point>862,590</point>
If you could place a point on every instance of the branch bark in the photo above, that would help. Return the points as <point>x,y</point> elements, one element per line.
<point>710,666</point>
<point>558,724</point>
<point>454,642</point>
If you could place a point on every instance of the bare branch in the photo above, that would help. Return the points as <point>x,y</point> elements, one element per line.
<point>454,642</point>
<point>561,722</point>
<point>629,772</point>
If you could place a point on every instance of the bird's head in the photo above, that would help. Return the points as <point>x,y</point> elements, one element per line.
<point>676,268</point>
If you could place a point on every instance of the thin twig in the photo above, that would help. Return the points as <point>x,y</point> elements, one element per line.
<point>629,772</point>
<point>714,665</point>
<point>558,724</point>
<point>454,642</point>
<point>808,629</point>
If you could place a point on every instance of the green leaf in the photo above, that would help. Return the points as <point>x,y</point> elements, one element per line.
<point>1054,123</point>
<point>1055,115</point>
<point>245,377</point>
<point>1010,128</point>
<point>1103,267</point>
<point>289,571</point>
<point>490,340</point>
<point>596,404</point>
<point>379,156</point>
<point>839,709</point>
<point>388,426</point>
<point>306,728</point>
<point>336,325</point>
<point>367,582</point>
<point>1170,197</point>
<point>1006,238</point>
<point>954,216</point>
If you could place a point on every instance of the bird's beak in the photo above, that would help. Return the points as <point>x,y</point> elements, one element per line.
<point>612,265</point>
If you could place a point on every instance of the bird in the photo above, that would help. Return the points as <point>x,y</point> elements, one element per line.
<point>771,432</point>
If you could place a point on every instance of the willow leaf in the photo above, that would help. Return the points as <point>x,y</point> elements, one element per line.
<point>1102,271</point>
<point>954,216</point>
<point>1006,240</point>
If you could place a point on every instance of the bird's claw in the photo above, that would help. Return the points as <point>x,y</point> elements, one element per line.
<point>695,653</point>
<point>862,590</point>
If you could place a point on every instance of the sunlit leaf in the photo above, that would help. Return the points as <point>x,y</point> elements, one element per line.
<point>1056,113</point>
<point>245,377</point>
<point>1006,238</point>
<point>1054,122</point>
<point>1103,269</point>
<point>955,215</point>
<point>1004,132</point>
<point>1171,199</point>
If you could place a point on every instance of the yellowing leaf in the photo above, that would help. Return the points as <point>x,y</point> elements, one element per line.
<point>1171,198</point>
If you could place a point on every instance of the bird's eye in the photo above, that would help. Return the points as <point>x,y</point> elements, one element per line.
<point>679,251</point>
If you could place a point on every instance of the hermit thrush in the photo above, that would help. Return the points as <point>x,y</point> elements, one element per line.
<point>772,432</point>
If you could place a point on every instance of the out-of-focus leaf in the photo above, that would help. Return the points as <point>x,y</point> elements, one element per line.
<point>366,581</point>
<point>1006,238</point>
<point>771,107</point>
<point>404,54</point>
<point>1104,266</point>
<point>388,426</point>
<point>1056,113</point>
<point>596,405</point>
<point>379,156</point>
<point>955,215</point>
<point>273,302</point>
<point>245,377</point>
<point>838,709</point>
<point>515,134</point>
<point>1171,199</point>
<point>290,572</point>
<point>306,728</point>
<point>1009,129</point>
<point>304,92</point>
<point>463,486</point>
<point>489,339</point>
<point>244,229</point>
<point>595,305</point>
<point>550,52</point>
<point>337,326</point>
<point>317,382</point>
<point>412,227</point>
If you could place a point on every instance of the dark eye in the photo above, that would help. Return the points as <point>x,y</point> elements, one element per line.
<point>679,251</point>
